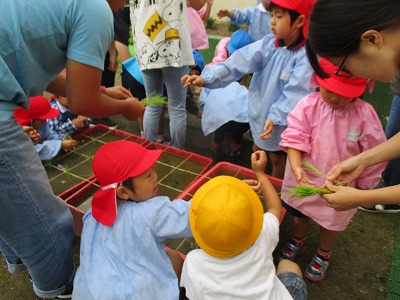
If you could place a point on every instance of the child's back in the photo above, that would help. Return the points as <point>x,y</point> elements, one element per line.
<point>237,240</point>
<point>128,258</point>
<point>122,245</point>
<point>248,275</point>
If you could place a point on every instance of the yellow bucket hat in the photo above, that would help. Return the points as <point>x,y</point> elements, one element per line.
<point>226,216</point>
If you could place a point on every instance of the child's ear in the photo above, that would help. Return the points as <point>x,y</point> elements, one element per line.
<point>372,38</point>
<point>300,21</point>
<point>122,193</point>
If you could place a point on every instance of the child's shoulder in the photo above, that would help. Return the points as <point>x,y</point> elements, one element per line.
<point>365,107</point>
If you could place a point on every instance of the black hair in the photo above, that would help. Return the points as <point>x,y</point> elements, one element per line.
<point>128,183</point>
<point>292,13</point>
<point>335,26</point>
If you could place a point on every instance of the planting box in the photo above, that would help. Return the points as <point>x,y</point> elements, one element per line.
<point>176,169</point>
<point>225,168</point>
<point>69,171</point>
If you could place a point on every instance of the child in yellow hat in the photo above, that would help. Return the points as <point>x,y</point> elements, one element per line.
<point>237,239</point>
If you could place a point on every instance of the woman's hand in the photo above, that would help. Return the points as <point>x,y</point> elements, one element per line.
<point>343,197</point>
<point>135,109</point>
<point>118,92</point>
<point>346,171</point>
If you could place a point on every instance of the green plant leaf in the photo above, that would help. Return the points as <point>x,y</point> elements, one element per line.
<point>302,191</point>
<point>155,99</point>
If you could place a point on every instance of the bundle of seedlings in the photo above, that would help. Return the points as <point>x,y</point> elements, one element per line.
<point>302,191</point>
<point>154,99</point>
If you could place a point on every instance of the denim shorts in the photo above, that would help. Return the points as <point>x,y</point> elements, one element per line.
<point>294,284</point>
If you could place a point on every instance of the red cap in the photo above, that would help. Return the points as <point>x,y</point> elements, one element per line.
<point>349,87</point>
<point>112,164</point>
<point>303,7</point>
<point>39,108</point>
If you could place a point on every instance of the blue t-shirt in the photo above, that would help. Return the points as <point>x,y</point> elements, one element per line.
<point>37,37</point>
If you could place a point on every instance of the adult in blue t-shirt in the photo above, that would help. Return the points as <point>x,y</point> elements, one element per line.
<point>39,39</point>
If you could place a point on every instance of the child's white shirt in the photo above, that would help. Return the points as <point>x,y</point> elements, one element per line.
<point>249,275</point>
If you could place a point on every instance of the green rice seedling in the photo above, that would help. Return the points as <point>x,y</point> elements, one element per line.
<point>302,191</point>
<point>67,171</point>
<point>154,100</point>
<point>310,167</point>
<point>68,137</point>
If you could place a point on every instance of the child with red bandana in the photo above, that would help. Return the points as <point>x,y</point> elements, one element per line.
<point>122,245</point>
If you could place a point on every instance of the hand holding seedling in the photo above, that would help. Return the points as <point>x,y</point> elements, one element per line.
<point>118,92</point>
<point>195,80</point>
<point>303,191</point>
<point>134,109</point>
<point>343,197</point>
<point>346,171</point>
<point>67,145</point>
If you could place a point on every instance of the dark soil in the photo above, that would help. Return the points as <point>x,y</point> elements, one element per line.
<point>223,29</point>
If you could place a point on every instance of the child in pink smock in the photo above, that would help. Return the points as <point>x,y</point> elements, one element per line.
<point>198,31</point>
<point>325,128</point>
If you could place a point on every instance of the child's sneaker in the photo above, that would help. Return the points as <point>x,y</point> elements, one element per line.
<point>316,270</point>
<point>67,294</point>
<point>290,251</point>
<point>389,208</point>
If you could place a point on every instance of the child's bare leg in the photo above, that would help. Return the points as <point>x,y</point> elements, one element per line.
<point>288,266</point>
<point>234,146</point>
<point>177,261</point>
<point>295,245</point>
<point>316,270</point>
<point>215,146</point>
<point>300,227</point>
<point>256,148</point>
<point>278,164</point>
<point>327,239</point>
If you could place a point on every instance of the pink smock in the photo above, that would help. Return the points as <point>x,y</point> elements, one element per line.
<point>327,136</point>
<point>221,53</point>
<point>198,31</point>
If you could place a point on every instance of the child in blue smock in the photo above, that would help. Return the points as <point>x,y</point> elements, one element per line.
<point>281,76</point>
<point>122,253</point>
<point>256,17</point>
<point>49,143</point>
<point>225,109</point>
